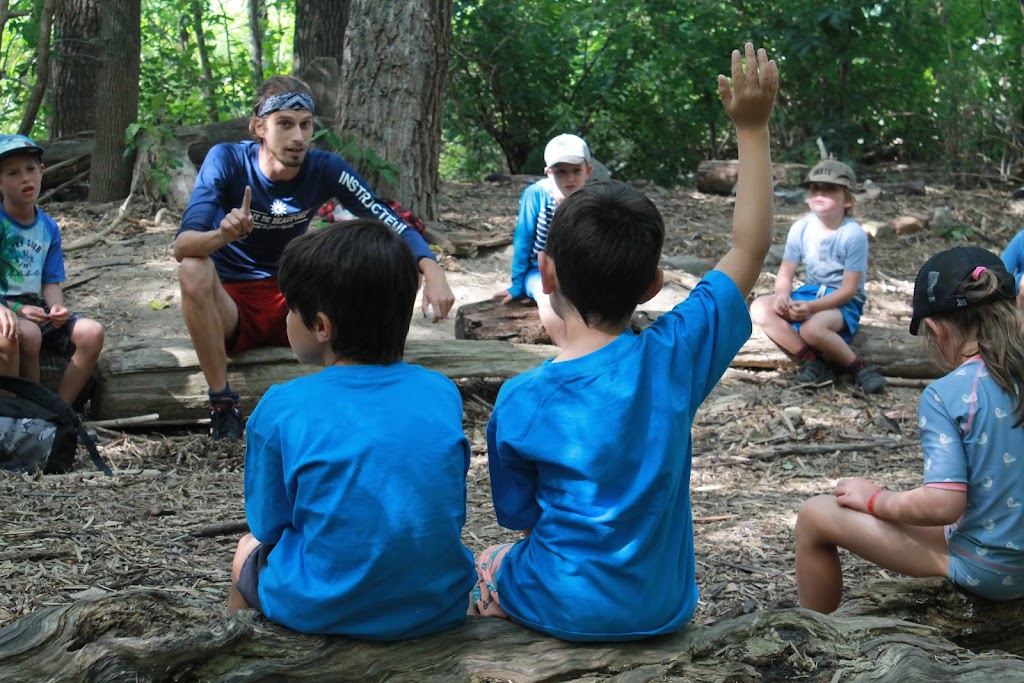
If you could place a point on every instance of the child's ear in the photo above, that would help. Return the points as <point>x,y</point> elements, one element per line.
<point>548,275</point>
<point>322,328</point>
<point>656,284</point>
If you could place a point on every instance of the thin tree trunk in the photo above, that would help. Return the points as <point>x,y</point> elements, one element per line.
<point>257,13</point>
<point>111,175</point>
<point>28,119</point>
<point>204,60</point>
<point>394,68</point>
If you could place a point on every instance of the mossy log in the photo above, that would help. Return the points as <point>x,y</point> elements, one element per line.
<point>897,631</point>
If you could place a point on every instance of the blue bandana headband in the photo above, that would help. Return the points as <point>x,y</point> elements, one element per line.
<point>288,100</point>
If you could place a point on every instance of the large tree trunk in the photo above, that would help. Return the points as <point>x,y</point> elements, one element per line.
<point>204,60</point>
<point>320,27</point>
<point>394,69</point>
<point>895,632</point>
<point>76,67</point>
<point>111,175</point>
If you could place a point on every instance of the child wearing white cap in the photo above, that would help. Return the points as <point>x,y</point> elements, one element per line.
<point>567,168</point>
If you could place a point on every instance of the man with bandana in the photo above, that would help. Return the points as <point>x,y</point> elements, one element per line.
<point>250,199</point>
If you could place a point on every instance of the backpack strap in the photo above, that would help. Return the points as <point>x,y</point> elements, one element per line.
<point>40,395</point>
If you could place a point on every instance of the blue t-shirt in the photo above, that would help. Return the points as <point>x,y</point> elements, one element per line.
<point>364,500</point>
<point>593,454</point>
<point>281,210</point>
<point>827,257</point>
<point>536,210</point>
<point>968,437</point>
<point>1013,257</point>
<point>35,254</point>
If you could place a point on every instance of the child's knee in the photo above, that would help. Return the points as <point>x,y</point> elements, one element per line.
<point>30,337</point>
<point>88,335</point>
<point>815,513</point>
<point>246,544</point>
<point>761,310</point>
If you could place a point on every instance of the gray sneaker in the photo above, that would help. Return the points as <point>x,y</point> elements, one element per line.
<point>226,423</point>
<point>814,373</point>
<point>870,381</point>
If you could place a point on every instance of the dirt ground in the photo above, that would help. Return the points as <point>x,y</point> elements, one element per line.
<point>169,519</point>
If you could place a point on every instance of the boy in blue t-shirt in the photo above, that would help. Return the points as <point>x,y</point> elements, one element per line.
<point>31,270</point>
<point>567,168</point>
<point>816,322</point>
<point>1013,258</point>
<point>590,453</point>
<point>355,502</point>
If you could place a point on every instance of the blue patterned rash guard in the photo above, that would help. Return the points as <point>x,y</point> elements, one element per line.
<point>281,210</point>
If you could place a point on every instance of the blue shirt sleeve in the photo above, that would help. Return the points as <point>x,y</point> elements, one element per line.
<point>945,459</point>
<point>268,507</point>
<point>1013,257</point>
<point>530,206</point>
<point>794,242</point>
<point>856,260</point>
<point>205,206</point>
<point>513,482</point>
<point>356,195</point>
<point>53,265</point>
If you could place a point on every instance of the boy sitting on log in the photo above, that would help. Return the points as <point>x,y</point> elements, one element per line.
<point>589,454</point>
<point>567,168</point>
<point>355,502</point>
<point>816,322</point>
<point>31,270</point>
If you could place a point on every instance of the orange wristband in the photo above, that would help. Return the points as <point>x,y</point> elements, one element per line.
<point>871,501</point>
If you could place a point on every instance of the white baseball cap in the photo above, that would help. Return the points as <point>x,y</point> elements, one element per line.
<point>566,149</point>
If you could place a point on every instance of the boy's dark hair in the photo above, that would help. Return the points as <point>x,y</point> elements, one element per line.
<point>275,85</point>
<point>606,241</point>
<point>362,276</point>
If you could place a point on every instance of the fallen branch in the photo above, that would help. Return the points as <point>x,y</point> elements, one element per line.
<point>821,448</point>
<point>148,419</point>
<point>225,529</point>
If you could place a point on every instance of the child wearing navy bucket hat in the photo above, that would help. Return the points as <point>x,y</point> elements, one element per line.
<point>966,523</point>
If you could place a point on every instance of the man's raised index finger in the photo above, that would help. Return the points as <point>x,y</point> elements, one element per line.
<point>246,199</point>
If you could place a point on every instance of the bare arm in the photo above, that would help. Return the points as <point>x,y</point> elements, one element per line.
<point>923,506</point>
<point>749,103</point>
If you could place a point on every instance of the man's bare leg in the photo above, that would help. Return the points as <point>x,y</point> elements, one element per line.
<point>210,316</point>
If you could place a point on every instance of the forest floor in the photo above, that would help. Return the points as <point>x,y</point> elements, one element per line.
<point>169,519</point>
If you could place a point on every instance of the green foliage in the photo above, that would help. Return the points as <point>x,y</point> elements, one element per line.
<point>364,158</point>
<point>18,67</point>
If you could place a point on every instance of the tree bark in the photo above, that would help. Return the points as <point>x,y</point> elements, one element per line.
<point>910,631</point>
<point>257,15</point>
<point>719,176</point>
<point>76,67</point>
<point>320,27</point>
<point>394,70</point>
<point>204,61</point>
<point>35,98</point>
<point>111,175</point>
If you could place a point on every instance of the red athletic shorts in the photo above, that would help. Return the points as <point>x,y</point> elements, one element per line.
<point>261,314</point>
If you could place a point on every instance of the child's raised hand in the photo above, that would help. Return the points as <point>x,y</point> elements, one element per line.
<point>749,101</point>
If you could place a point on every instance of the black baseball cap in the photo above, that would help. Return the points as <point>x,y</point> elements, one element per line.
<point>939,285</point>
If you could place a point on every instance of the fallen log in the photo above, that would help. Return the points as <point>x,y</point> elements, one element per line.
<point>892,350</point>
<point>909,631</point>
<point>163,376</point>
<point>719,176</point>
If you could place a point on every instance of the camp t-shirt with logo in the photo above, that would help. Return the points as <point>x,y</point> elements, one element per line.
<point>30,255</point>
<point>282,209</point>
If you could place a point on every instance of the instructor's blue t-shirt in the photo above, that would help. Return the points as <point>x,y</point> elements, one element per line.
<point>281,210</point>
<point>593,455</point>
